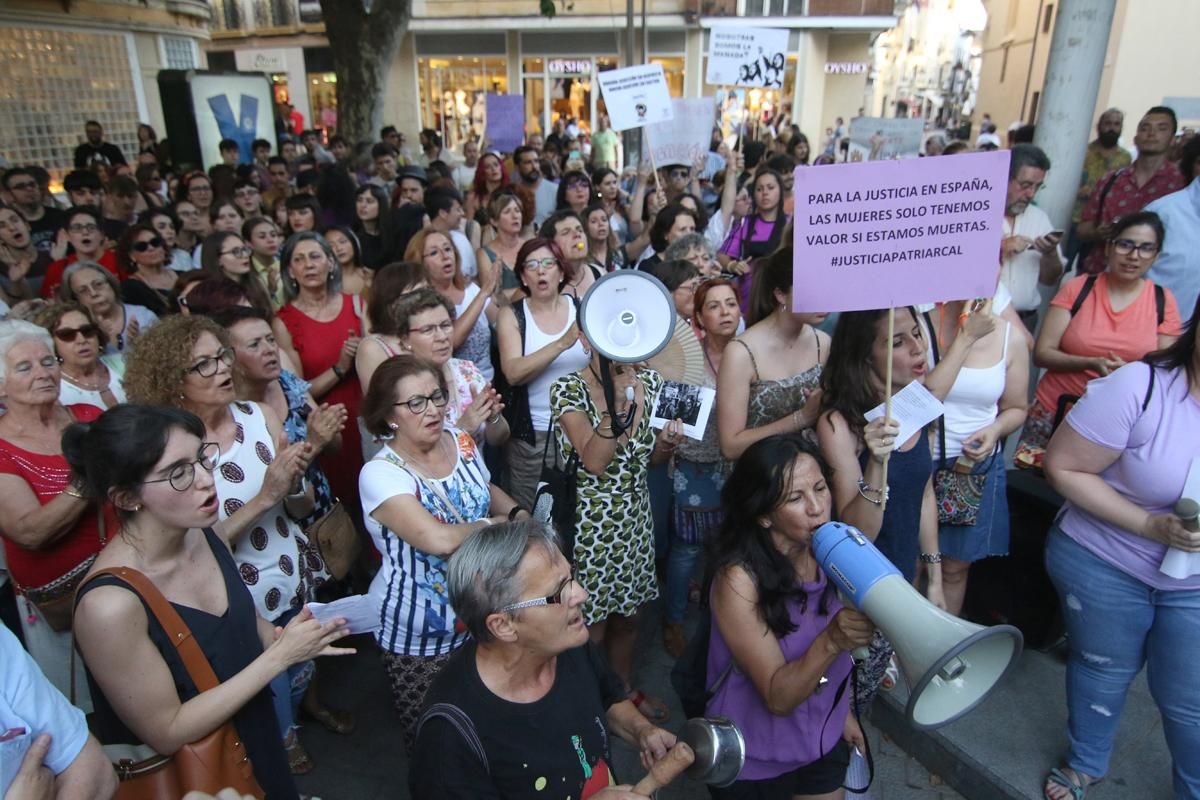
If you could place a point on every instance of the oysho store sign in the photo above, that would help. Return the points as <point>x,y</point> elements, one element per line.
<point>566,66</point>
<point>845,67</point>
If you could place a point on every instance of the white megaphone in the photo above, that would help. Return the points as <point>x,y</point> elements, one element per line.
<point>628,316</point>
<point>950,664</point>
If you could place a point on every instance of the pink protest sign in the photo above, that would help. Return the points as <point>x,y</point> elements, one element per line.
<point>881,234</point>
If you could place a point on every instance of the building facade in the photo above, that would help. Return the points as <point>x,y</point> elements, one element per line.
<point>68,61</point>
<point>457,51</point>
<point>1151,60</point>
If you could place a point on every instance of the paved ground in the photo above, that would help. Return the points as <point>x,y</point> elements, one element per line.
<point>371,763</point>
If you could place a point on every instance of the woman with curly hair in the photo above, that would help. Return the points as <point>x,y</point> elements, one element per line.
<point>187,362</point>
<point>89,376</point>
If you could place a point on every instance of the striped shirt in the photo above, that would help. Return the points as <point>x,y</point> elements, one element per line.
<point>415,614</point>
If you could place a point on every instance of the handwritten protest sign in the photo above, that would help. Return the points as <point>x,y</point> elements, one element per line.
<point>505,127</point>
<point>747,57</point>
<point>685,138</point>
<point>635,96</point>
<point>880,139</point>
<point>894,233</point>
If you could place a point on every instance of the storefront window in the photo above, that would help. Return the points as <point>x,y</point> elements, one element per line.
<point>563,87</point>
<point>455,88</point>
<point>322,99</point>
<point>673,70</point>
<point>753,104</point>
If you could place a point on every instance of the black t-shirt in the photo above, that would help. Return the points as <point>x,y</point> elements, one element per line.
<point>105,153</point>
<point>553,749</point>
<point>44,231</point>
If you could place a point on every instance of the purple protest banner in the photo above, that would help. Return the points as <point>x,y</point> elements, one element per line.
<point>883,234</point>
<point>505,129</point>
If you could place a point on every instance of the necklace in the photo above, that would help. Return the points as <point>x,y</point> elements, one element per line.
<point>100,385</point>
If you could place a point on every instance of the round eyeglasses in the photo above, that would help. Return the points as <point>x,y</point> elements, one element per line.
<point>182,476</point>
<point>419,402</point>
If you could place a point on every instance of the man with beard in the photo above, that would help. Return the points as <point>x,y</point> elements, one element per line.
<point>95,150</point>
<point>545,192</point>
<point>1104,155</point>
<point>1029,250</point>
<point>1127,190</point>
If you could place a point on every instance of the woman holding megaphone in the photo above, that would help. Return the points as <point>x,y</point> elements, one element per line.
<point>781,639</point>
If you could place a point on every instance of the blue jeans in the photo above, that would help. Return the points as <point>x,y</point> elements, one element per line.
<point>288,687</point>
<point>681,565</point>
<point>1115,624</point>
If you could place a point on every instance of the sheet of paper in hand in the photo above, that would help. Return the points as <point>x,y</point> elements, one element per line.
<point>913,407</point>
<point>685,402</point>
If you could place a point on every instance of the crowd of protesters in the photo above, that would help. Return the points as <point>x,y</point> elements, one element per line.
<point>201,371</point>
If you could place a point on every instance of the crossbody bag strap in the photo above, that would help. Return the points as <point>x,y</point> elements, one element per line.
<point>424,480</point>
<point>180,635</point>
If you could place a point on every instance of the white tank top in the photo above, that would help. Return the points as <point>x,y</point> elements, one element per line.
<point>568,361</point>
<point>274,558</point>
<point>973,402</point>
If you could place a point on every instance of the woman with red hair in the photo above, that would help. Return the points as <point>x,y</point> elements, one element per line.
<point>490,175</point>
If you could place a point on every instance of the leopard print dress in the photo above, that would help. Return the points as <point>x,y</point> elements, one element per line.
<point>614,534</point>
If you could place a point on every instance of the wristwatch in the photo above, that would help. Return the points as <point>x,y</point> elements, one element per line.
<point>339,372</point>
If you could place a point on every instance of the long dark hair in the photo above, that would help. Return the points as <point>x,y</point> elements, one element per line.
<point>847,381</point>
<point>1182,352</point>
<point>771,273</point>
<point>760,483</point>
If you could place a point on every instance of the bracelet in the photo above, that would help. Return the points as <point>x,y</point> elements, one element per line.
<point>339,372</point>
<point>512,512</point>
<point>494,419</point>
<point>931,558</point>
<point>74,492</point>
<point>881,494</point>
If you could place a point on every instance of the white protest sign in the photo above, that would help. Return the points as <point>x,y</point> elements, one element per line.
<point>636,96</point>
<point>686,137</point>
<point>882,139</point>
<point>747,57</point>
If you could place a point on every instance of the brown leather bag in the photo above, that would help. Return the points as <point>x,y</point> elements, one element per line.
<point>209,765</point>
<point>335,536</point>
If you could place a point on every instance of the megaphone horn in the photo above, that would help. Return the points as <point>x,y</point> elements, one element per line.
<point>627,315</point>
<point>950,664</point>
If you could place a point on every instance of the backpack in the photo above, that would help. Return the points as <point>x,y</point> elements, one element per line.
<point>1160,298</point>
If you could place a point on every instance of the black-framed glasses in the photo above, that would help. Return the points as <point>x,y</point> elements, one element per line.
<point>419,402</point>
<point>207,366</point>
<point>240,252</point>
<point>156,244</point>
<point>1127,247</point>
<point>182,476</point>
<point>556,598</point>
<point>428,330</point>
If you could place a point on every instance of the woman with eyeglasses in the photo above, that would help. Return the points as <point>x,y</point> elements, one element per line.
<point>324,325</point>
<point>89,375</point>
<point>195,188</point>
<point>474,309</point>
<point>187,362</point>
<point>51,530</point>
<point>539,342</point>
<point>574,192</point>
<point>1097,324</point>
<point>157,466</point>
<point>423,494</point>
<point>97,290</point>
<point>143,253</point>
<point>226,255</point>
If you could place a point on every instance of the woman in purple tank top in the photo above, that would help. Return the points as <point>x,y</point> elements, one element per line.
<point>781,627</point>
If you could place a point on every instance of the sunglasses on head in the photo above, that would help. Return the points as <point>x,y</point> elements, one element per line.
<point>71,334</point>
<point>143,246</point>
